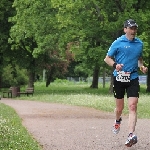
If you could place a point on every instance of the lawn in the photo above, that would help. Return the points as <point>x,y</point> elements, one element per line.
<point>79,94</point>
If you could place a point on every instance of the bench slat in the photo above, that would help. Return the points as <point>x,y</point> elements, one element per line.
<point>28,91</point>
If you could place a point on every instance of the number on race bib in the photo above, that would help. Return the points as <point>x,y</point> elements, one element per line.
<point>123,76</point>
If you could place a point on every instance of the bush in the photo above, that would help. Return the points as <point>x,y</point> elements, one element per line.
<point>11,77</point>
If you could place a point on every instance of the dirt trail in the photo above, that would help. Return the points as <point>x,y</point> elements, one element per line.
<point>65,127</point>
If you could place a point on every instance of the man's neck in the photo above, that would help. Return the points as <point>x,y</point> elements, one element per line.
<point>130,39</point>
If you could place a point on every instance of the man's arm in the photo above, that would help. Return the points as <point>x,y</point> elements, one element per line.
<point>140,62</point>
<point>109,60</point>
<point>141,66</point>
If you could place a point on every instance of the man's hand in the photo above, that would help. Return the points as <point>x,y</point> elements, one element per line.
<point>119,67</point>
<point>143,69</point>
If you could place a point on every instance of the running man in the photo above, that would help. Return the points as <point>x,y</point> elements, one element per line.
<point>125,55</point>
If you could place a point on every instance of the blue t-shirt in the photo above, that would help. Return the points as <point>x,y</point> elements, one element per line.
<point>126,52</point>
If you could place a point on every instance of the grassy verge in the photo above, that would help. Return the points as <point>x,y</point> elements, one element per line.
<point>80,94</point>
<point>13,136</point>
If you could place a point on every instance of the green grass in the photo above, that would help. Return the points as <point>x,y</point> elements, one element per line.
<point>80,94</point>
<point>13,136</point>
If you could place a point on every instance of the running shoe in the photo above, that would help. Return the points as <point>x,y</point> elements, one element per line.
<point>116,126</point>
<point>131,140</point>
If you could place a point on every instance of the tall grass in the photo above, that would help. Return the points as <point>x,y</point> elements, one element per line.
<point>13,136</point>
<point>80,94</point>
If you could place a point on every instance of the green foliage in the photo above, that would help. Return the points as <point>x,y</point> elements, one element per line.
<point>96,24</point>
<point>81,70</point>
<point>63,81</point>
<point>14,76</point>
<point>5,12</point>
<point>34,37</point>
<point>12,134</point>
<point>34,21</point>
<point>40,27</point>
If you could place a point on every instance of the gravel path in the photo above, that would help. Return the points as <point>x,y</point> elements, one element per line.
<point>65,127</point>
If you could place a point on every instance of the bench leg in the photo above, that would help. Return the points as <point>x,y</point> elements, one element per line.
<point>9,94</point>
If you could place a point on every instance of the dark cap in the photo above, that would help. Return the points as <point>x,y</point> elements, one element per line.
<point>130,23</point>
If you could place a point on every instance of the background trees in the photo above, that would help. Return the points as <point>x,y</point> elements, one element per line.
<point>98,24</point>
<point>46,34</point>
<point>5,54</point>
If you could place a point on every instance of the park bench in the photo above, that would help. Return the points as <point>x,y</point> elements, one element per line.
<point>9,93</point>
<point>28,91</point>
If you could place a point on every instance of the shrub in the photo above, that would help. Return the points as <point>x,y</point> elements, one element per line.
<point>13,77</point>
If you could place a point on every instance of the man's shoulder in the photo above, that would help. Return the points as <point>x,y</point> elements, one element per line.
<point>119,39</point>
<point>138,40</point>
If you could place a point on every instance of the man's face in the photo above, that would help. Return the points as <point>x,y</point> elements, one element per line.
<point>130,32</point>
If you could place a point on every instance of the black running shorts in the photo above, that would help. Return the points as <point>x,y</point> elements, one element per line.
<point>132,88</point>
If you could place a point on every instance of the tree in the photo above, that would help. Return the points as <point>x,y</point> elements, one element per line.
<point>42,27</point>
<point>5,12</point>
<point>84,24</point>
<point>96,24</point>
<point>56,66</point>
<point>34,33</point>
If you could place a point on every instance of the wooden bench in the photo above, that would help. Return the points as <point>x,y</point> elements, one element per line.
<point>9,93</point>
<point>28,91</point>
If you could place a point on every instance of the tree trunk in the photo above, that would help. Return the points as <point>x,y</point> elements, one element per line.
<point>1,68</point>
<point>31,70</point>
<point>104,76</point>
<point>31,76</point>
<point>95,77</point>
<point>1,80</point>
<point>148,77</point>
<point>50,76</point>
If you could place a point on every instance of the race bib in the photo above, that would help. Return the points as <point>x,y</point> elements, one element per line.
<point>123,76</point>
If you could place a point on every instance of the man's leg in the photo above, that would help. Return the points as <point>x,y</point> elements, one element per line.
<point>119,108</point>
<point>119,91</point>
<point>118,112</point>
<point>132,95</point>
<point>132,105</point>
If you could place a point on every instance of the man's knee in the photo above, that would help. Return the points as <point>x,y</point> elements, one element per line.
<point>133,107</point>
<point>119,110</point>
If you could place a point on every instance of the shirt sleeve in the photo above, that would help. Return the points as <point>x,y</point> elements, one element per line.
<point>141,54</point>
<point>113,49</point>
